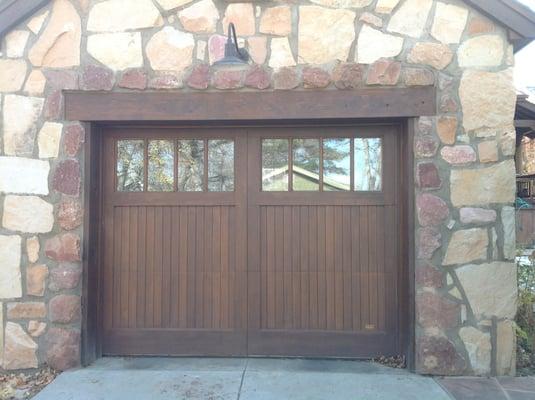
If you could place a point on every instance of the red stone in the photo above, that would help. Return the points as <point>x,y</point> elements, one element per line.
<point>70,214</point>
<point>62,348</point>
<point>431,210</point>
<point>448,104</point>
<point>216,47</point>
<point>425,146</point>
<point>456,155</point>
<point>418,77</point>
<point>67,178</point>
<point>257,78</point>
<point>65,277</point>
<point>428,275</point>
<point>285,78</point>
<point>429,240</point>
<point>64,308</point>
<point>315,78</point>
<point>133,79</point>
<point>96,78</point>
<point>199,77</point>
<point>61,79</point>
<point>228,79</point>
<point>348,75</point>
<point>384,72</point>
<point>436,355</point>
<point>427,176</point>
<point>73,138</point>
<point>65,247</point>
<point>53,106</point>
<point>435,311</point>
<point>165,81</point>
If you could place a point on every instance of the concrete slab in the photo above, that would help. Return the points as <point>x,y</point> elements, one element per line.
<point>243,379</point>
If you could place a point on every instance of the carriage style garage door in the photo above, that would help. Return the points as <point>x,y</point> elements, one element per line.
<point>251,241</point>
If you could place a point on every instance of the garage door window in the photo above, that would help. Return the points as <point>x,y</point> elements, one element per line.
<point>322,164</point>
<point>184,165</point>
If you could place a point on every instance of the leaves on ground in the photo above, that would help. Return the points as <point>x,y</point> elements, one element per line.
<point>25,385</point>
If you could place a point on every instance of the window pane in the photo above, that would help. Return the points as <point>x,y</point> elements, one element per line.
<point>221,165</point>
<point>190,165</point>
<point>275,164</point>
<point>368,164</point>
<point>306,164</point>
<point>130,159</point>
<point>161,160</point>
<point>336,164</point>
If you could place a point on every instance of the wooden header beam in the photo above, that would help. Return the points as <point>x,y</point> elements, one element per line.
<point>249,106</point>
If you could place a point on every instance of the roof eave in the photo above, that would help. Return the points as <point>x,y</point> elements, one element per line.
<point>12,12</point>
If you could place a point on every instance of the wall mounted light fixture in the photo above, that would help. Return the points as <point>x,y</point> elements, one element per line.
<point>233,54</point>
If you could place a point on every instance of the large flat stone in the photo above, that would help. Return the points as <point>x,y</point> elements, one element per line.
<point>170,50</point>
<point>449,23</point>
<point>373,45</point>
<point>200,17</point>
<point>479,349</point>
<point>10,277</point>
<point>49,139</point>
<point>325,35</point>
<point>19,348</point>
<point>410,18</point>
<point>122,15</point>
<point>117,51</point>
<point>466,246</point>
<point>23,175</point>
<point>20,116</point>
<point>28,214</point>
<point>12,75</point>
<point>483,186</point>
<point>491,289</point>
<point>481,51</point>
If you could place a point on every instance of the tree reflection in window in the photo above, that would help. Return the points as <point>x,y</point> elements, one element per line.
<point>190,172</point>
<point>306,164</point>
<point>161,165</point>
<point>130,160</point>
<point>220,165</point>
<point>368,164</point>
<point>336,164</point>
<point>275,164</point>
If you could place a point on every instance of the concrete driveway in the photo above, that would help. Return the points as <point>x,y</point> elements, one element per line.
<point>242,379</point>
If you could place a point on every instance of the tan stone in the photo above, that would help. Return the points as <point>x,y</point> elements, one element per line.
<point>491,289</point>
<point>118,51</point>
<point>201,17</point>
<point>2,334</point>
<point>32,249</point>
<point>483,186</point>
<point>27,214</point>
<point>172,4</point>
<point>36,280</point>
<point>386,6</point>
<point>59,44</point>
<point>447,129</point>
<point>371,19</point>
<point>466,246</point>
<point>16,43</point>
<point>35,84</point>
<point>281,53</point>
<point>121,15</point>
<point>36,328</point>
<point>324,35</point>
<point>242,15</point>
<point>436,55</point>
<point>201,50</point>
<point>449,23</point>
<point>480,25</point>
<point>19,349</point>
<point>343,3</point>
<point>488,151</point>
<point>505,348</point>
<point>23,175</point>
<point>488,99</point>
<point>507,140</point>
<point>36,23</point>
<point>508,219</point>
<point>49,139</point>
<point>10,256</point>
<point>26,310</point>
<point>20,115</point>
<point>481,51</point>
<point>478,347</point>
<point>410,18</point>
<point>12,75</point>
<point>257,46</point>
<point>170,50</point>
<point>373,45</point>
<point>276,21</point>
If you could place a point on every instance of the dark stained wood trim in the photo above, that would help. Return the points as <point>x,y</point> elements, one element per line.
<point>249,106</point>
<point>12,12</point>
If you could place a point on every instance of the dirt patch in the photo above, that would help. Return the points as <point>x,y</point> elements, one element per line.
<point>22,386</point>
<point>392,362</point>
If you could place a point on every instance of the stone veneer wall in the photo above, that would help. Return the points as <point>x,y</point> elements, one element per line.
<point>465,175</point>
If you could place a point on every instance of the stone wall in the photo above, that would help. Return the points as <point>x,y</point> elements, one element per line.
<point>464,169</point>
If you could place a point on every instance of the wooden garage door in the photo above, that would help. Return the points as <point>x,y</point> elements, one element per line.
<point>279,241</point>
